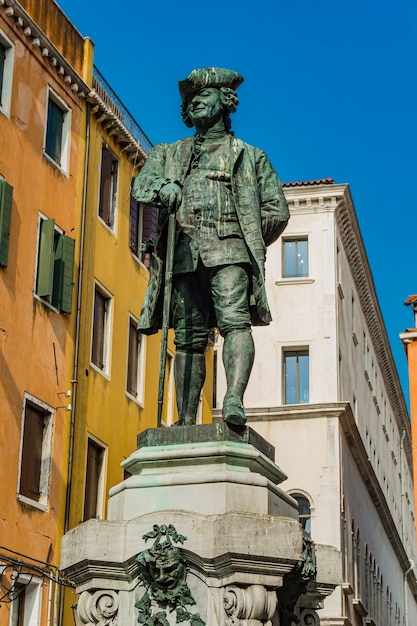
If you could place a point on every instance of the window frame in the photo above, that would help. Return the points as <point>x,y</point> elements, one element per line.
<point>138,394</point>
<point>32,600</point>
<point>54,266</point>
<point>7,79</point>
<point>63,163</point>
<point>295,239</point>
<point>6,202</point>
<point>297,351</point>
<point>113,193</point>
<point>101,479</point>
<point>107,330</point>
<point>46,453</point>
<point>298,495</point>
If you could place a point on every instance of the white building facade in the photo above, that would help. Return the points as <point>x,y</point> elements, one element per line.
<point>325,392</point>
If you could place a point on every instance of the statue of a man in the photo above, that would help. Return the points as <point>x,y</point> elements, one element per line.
<point>229,206</point>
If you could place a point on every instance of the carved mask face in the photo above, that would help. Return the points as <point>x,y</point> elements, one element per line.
<point>205,108</point>
<point>167,574</point>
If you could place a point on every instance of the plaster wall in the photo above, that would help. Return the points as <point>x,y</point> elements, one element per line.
<point>35,340</point>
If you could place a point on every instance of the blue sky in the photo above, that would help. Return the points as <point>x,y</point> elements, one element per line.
<point>330,91</point>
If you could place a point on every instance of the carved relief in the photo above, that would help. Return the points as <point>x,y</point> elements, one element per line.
<point>99,608</point>
<point>253,606</point>
<point>163,572</point>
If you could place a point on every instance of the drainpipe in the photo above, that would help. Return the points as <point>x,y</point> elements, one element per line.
<point>74,381</point>
<point>77,323</point>
<point>405,592</point>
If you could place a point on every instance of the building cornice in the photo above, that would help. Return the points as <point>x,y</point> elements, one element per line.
<point>65,72</point>
<point>362,276</point>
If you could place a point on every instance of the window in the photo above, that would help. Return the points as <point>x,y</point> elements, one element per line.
<point>94,480</point>
<point>135,355</point>
<point>57,133</point>
<point>304,511</point>
<point>6,193</point>
<point>143,221</point>
<point>55,266</point>
<point>295,257</point>
<point>25,608</point>
<point>296,376</point>
<point>35,452</point>
<point>6,73</point>
<point>100,349</point>
<point>108,187</point>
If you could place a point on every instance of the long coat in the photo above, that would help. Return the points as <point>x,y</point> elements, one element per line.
<point>260,206</point>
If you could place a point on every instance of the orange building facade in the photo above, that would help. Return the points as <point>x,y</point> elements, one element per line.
<point>42,117</point>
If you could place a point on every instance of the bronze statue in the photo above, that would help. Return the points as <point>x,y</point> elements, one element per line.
<point>229,205</point>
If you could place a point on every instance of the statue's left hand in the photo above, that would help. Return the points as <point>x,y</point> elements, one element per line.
<point>170,195</point>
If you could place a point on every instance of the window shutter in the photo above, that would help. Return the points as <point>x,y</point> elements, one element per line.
<point>134,225</point>
<point>6,193</point>
<point>2,60</point>
<point>94,454</point>
<point>46,258</point>
<point>63,274</point>
<point>97,355</point>
<point>31,460</point>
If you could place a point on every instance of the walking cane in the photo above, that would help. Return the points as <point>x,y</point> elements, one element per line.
<point>166,310</point>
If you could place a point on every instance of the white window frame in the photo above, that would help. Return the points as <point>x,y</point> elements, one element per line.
<point>32,600</point>
<point>108,331</point>
<point>292,239</point>
<point>303,494</point>
<point>6,90</point>
<point>285,349</point>
<point>140,381</point>
<point>101,485</point>
<point>66,131</point>
<point>45,475</point>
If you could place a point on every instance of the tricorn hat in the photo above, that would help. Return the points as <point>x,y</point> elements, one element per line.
<point>208,77</point>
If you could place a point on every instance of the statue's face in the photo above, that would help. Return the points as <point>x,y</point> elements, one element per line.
<point>205,107</point>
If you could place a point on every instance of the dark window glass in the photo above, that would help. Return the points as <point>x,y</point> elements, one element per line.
<point>296,377</point>
<point>304,511</point>
<point>2,61</point>
<point>54,126</point>
<point>295,258</point>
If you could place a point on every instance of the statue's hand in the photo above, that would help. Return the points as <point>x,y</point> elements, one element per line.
<point>170,195</point>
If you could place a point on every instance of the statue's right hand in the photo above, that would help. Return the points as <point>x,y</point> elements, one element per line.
<point>170,195</point>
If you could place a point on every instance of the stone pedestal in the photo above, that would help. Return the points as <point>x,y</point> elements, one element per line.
<point>200,533</point>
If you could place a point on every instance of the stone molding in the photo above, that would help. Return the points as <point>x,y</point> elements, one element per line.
<point>254,605</point>
<point>99,608</point>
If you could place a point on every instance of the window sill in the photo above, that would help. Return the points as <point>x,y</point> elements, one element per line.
<point>138,261</point>
<point>295,281</point>
<point>359,607</point>
<point>136,400</point>
<point>111,229</point>
<point>96,368</point>
<point>55,164</point>
<point>5,112</point>
<point>46,303</point>
<point>32,503</point>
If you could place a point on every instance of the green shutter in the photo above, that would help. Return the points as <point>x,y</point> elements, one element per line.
<point>6,193</point>
<point>63,274</point>
<point>46,258</point>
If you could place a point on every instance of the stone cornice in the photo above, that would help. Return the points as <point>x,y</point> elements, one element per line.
<point>69,77</point>
<point>359,265</point>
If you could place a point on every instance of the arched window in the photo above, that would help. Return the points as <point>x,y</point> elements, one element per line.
<point>304,511</point>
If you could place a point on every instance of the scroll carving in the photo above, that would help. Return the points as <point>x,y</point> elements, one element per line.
<point>99,608</point>
<point>253,606</point>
